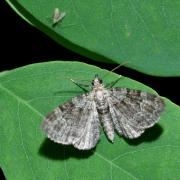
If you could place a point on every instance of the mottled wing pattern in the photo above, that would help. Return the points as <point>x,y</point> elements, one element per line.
<point>133,111</point>
<point>75,122</point>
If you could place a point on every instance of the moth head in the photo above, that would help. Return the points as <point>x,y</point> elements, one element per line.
<point>97,81</point>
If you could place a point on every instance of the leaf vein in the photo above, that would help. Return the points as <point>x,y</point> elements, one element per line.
<point>143,22</point>
<point>113,27</point>
<point>22,142</point>
<point>21,100</point>
<point>143,149</point>
<point>80,20</point>
<point>115,165</point>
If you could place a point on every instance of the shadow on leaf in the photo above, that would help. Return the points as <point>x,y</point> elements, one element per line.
<point>149,135</point>
<point>56,151</point>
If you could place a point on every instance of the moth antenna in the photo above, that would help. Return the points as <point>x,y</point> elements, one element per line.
<point>117,67</point>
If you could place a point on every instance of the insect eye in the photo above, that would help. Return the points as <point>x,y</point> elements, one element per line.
<point>92,83</point>
<point>100,80</point>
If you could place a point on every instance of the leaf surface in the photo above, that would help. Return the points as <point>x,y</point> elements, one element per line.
<point>144,33</point>
<point>27,94</point>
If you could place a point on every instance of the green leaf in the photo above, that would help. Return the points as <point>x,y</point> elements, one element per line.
<point>27,94</point>
<point>144,33</point>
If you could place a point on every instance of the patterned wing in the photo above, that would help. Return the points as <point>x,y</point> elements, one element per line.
<point>133,111</point>
<point>75,122</point>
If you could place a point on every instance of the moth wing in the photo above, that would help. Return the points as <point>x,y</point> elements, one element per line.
<point>133,111</point>
<point>57,16</point>
<point>75,122</point>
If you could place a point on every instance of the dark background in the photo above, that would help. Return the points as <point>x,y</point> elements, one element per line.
<point>22,44</point>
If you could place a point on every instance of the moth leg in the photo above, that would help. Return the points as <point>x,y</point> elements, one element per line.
<point>82,86</point>
<point>111,84</point>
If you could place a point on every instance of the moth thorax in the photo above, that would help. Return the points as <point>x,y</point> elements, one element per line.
<point>99,95</point>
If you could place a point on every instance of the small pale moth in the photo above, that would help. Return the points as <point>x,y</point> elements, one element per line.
<point>57,16</point>
<point>127,111</point>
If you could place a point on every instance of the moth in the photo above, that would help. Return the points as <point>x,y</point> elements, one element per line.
<point>57,16</point>
<point>127,111</point>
